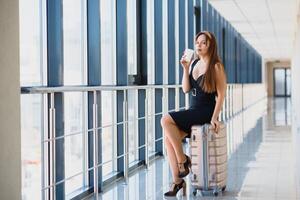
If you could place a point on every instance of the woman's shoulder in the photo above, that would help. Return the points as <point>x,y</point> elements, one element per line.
<point>220,71</point>
<point>219,66</point>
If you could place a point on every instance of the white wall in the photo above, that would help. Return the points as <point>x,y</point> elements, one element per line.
<point>10,136</point>
<point>295,72</point>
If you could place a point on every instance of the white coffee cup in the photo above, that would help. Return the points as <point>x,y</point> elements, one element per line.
<point>189,53</point>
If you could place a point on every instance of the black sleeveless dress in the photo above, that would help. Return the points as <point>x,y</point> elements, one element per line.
<point>201,108</point>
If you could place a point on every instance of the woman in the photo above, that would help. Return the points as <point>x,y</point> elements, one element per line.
<point>206,79</point>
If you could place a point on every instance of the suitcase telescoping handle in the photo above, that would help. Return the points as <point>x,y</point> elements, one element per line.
<point>205,156</point>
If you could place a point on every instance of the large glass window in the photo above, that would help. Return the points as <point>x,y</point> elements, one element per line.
<point>132,125</point>
<point>151,72</point>
<point>74,34</point>
<point>151,122</point>
<point>32,65</point>
<point>108,77</point>
<point>31,131</point>
<point>177,53</point>
<point>31,42</point>
<point>150,41</point>
<point>132,70</point>
<point>165,55</point>
<point>108,42</point>
<point>165,42</point>
<point>108,133</point>
<point>131,37</point>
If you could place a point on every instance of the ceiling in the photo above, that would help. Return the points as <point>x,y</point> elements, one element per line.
<point>268,25</point>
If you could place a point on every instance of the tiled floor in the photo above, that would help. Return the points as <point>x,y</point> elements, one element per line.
<point>261,160</point>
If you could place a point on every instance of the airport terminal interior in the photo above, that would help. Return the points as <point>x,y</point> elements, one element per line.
<point>84,85</point>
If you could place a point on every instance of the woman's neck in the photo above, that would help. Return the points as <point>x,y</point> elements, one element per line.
<point>204,59</point>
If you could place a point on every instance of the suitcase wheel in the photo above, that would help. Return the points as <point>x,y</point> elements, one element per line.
<point>195,192</point>
<point>224,188</point>
<point>215,193</point>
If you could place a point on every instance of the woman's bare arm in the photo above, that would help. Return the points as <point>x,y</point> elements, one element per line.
<point>221,90</point>
<point>185,81</point>
<point>186,87</point>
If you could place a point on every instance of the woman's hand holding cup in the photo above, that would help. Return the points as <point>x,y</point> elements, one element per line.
<point>186,58</point>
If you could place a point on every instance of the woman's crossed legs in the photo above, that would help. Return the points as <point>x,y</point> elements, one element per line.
<point>173,143</point>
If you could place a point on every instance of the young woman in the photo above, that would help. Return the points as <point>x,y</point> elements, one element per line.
<point>206,79</point>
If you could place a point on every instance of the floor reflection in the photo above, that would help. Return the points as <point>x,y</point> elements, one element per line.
<point>281,111</point>
<point>260,160</point>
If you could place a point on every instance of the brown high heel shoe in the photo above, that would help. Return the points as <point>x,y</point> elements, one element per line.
<point>175,188</point>
<point>184,167</point>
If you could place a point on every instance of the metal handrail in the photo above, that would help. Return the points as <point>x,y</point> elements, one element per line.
<point>81,88</point>
<point>43,89</point>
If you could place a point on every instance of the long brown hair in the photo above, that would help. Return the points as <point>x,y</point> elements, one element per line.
<point>208,82</point>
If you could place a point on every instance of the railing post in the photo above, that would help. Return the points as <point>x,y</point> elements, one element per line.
<point>95,143</point>
<point>146,131</point>
<point>233,102</point>
<point>230,100</point>
<point>228,105</point>
<point>44,156</point>
<point>243,97</point>
<point>232,108</point>
<point>125,137</point>
<point>163,99</point>
<point>176,98</point>
<point>52,147</point>
<point>223,108</point>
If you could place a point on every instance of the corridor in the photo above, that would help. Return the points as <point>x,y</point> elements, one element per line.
<point>85,83</point>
